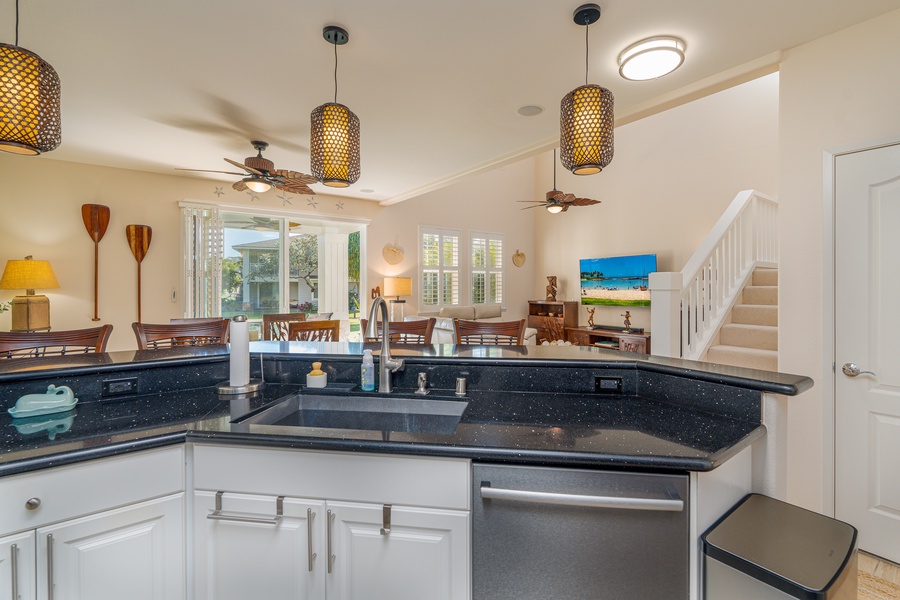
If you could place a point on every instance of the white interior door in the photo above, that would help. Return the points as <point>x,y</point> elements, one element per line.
<point>867,335</point>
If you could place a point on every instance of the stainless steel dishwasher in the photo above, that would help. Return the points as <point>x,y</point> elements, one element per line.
<point>553,533</point>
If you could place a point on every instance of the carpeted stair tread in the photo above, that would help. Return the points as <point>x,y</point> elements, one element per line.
<point>755,314</point>
<point>751,358</point>
<point>760,294</point>
<point>764,337</point>
<point>764,277</point>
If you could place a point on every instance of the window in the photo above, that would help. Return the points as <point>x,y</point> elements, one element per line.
<point>438,268</point>
<point>486,263</point>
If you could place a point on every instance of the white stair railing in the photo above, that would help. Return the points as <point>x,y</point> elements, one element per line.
<point>688,308</point>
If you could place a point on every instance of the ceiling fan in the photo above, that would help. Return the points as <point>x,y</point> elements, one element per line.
<point>557,201</point>
<point>260,175</point>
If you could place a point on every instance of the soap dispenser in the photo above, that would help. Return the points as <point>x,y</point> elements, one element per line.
<point>367,379</point>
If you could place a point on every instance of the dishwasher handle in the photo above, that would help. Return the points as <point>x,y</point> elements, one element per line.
<point>672,504</point>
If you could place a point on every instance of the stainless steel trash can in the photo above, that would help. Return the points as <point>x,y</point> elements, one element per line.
<point>766,549</point>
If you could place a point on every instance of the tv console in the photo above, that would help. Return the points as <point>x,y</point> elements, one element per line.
<point>613,339</point>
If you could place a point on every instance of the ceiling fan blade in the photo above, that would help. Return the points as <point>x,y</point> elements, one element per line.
<point>567,198</point>
<point>244,167</point>
<point>300,178</point>
<point>555,195</point>
<point>535,206</point>
<point>294,188</point>
<point>583,202</point>
<point>239,185</point>
<point>535,201</point>
<point>210,171</point>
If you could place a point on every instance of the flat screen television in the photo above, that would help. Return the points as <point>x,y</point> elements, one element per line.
<point>617,280</point>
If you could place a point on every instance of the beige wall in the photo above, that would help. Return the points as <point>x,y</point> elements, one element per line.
<point>673,175</point>
<point>40,204</point>
<point>486,203</point>
<point>841,89</point>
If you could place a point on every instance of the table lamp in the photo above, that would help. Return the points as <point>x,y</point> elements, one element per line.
<point>29,312</point>
<point>397,286</point>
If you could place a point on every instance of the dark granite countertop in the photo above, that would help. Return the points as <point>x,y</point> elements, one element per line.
<point>531,405</point>
<point>574,430</point>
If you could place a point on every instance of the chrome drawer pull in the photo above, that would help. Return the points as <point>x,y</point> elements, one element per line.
<point>667,504</point>
<point>385,520</point>
<point>331,556</point>
<point>49,566</point>
<point>218,515</point>
<point>14,567</point>
<point>32,503</point>
<point>309,553</point>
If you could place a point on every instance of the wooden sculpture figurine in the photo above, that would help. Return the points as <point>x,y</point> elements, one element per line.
<point>590,317</point>
<point>627,316</point>
<point>551,288</point>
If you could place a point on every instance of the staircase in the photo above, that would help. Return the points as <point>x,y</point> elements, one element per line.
<point>750,337</point>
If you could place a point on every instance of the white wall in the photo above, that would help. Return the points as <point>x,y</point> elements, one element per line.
<point>486,203</point>
<point>837,90</point>
<point>672,176</point>
<point>40,206</point>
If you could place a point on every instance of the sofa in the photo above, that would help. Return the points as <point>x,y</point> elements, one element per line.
<point>444,333</point>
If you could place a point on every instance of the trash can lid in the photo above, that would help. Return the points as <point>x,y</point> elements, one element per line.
<point>797,551</point>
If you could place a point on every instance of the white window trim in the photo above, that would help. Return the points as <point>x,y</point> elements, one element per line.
<point>488,237</point>
<point>460,268</point>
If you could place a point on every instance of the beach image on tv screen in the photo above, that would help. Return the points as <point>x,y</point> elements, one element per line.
<point>617,280</point>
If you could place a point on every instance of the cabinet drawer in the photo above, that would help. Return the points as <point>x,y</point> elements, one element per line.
<point>350,476</point>
<point>93,486</point>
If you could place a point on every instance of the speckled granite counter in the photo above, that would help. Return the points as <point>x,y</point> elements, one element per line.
<point>529,405</point>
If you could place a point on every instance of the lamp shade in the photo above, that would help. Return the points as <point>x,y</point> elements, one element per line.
<point>334,145</point>
<point>398,286</point>
<point>28,275</point>
<point>29,102</point>
<point>586,129</point>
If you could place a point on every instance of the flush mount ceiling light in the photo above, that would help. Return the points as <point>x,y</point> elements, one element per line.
<point>651,58</point>
<point>334,143</point>
<point>29,101</point>
<point>586,115</point>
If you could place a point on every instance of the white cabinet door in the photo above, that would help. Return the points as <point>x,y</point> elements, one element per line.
<point>134,552</point>
<point>425,555</point>
<point>240,559</point>
<point>17,567</point>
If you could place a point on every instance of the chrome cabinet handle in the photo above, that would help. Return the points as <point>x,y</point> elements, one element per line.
<point>666,504</point>
<point>14,568</point>
<point>49,566</point>
<point>852,370</point>
<point>309,553</point>
<point>331,556</point>
<point>219,515</point>
<point>32,503</point>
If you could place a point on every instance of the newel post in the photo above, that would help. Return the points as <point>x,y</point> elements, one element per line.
<point>665,313</point>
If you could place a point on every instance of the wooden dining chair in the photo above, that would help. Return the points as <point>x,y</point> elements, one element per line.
<point>24,344</point>
<point>278,326</point>
<point>156,336</point>
<point>315,331</point>
<point>490,333</point>
<point>405,332</point>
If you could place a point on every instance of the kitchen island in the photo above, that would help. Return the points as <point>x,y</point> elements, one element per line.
<point>563,408</point>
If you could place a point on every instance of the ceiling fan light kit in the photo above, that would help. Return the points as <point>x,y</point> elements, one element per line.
<point>651,58</point>
<point>586,118</point>
<point>29,101</point>
<point>556,201</point>
<point>257,184</point>
<point>334,131</point>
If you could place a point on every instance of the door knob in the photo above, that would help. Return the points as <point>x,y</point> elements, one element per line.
<point>852,370</point>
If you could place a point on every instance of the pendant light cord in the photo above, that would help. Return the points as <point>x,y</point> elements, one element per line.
<point>586,55</point>
<point>335,72</point>
<point>17,22</point>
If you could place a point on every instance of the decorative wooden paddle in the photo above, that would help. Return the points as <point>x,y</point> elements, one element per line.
<point>139,242</point>
<point>96,220</point>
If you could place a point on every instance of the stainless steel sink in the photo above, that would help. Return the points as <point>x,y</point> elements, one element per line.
<point>378,413</point>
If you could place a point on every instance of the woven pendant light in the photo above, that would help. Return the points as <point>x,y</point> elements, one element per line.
<point>586,119</point>
<point>334,132</point>
<point>29,101</point>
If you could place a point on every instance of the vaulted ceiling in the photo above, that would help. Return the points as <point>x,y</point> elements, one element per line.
<point>155,85</point>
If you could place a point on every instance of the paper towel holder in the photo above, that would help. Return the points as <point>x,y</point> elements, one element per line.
<point>252,386</point>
